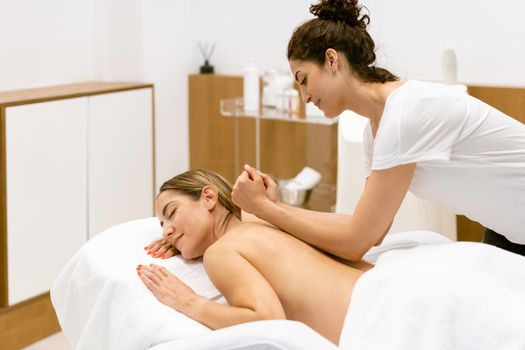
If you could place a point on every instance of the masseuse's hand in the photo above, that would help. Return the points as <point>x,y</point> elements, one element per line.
<point>252,188</point>
<point>168,289</point>
<point>162,249</point>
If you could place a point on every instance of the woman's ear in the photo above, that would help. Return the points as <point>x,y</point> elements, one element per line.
<point>332,59</point>
<point>209,196</point>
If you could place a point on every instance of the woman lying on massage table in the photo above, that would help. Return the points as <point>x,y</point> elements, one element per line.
<point>410,299</point>
<point>258,280</point>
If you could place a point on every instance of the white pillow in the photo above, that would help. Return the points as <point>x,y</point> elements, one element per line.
<point>101,302</point>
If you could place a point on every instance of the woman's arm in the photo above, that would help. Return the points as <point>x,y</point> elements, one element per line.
<point>348,237</point>
<point>250,296</point>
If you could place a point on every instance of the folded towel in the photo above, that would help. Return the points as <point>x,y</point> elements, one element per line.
<point>307,179</point>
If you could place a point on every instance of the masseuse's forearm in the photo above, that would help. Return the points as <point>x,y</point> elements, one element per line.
<point>216,316</point>
<point>333,233</point>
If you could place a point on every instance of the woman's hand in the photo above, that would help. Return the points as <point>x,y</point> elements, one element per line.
<point>253,188</point>
<point>161,248</point>
<point>167,288</point>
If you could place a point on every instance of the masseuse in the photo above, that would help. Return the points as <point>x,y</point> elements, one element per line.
<point>427,138</point>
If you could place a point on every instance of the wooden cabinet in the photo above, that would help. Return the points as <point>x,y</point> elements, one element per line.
<point>120,158</point>
<point>75,160</point>
<point>46,197</point>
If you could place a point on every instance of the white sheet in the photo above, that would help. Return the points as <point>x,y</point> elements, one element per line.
<point>102,304</point>
<point>452,296</point>
<point>259,335</point>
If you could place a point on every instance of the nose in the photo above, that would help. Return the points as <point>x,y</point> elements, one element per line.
<point>167,229</point>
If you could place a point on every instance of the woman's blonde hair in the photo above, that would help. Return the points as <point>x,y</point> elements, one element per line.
<point>193,181</point>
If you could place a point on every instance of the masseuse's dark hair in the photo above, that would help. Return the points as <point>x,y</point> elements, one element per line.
<point>339,25</point>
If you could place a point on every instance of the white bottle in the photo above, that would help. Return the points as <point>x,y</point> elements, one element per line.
<point>251,89</point>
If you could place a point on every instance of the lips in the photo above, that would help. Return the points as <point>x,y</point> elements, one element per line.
<point>174,241</point>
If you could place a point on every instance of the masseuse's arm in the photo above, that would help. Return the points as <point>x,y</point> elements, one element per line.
<point>250,296</point>
<point>247,217</point>
<point>348,237</point>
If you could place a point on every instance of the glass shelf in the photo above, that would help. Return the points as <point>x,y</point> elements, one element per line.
<point>234,107</point>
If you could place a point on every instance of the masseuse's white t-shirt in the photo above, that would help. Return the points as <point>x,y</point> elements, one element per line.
<point>470,157</point>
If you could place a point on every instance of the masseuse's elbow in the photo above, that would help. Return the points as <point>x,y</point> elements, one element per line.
<point>355,250</point>
<point>357,241</point>
<point>354,255</point>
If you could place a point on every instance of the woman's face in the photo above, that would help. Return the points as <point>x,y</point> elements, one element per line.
<point>187,224</point>
<point>320,85</point>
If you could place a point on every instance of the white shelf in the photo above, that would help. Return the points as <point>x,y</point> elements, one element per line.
<point>234,107</point>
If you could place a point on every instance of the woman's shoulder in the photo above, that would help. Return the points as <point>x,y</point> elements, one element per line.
<point>416,92</point>
<point>415,101</point>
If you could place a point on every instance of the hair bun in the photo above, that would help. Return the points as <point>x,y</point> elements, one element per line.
<point>347,11</point>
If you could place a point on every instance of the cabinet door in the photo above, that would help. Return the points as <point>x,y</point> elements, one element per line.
<point>120,158</point>
<point>46,192</point>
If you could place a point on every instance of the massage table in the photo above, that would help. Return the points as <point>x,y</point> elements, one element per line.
<point>102,304</point>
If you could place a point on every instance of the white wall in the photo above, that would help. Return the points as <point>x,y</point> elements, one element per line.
<point>118,40</point>
<point>486,35</point>
<point>167,62</point>
<point>245,29</point>
<point>45,42</point>
<point>410,34</point>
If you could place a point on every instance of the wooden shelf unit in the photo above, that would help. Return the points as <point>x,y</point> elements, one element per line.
<point>286,147</point>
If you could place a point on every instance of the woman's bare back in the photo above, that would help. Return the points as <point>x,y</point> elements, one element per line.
<point>312,287</point>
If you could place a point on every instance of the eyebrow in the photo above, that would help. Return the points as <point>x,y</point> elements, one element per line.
<point>296,77</point>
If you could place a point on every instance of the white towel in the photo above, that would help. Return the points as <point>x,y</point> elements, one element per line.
<point>102,304</point>
<point>449,296</point>
<point>307,179</point>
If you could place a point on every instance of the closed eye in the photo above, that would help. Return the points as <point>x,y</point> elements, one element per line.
<point>172,212</point>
